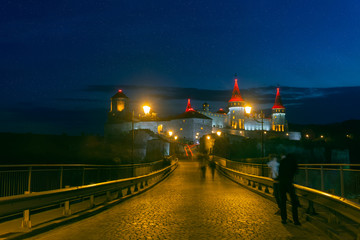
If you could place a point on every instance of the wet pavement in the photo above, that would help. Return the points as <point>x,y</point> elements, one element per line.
<point>187,206</point>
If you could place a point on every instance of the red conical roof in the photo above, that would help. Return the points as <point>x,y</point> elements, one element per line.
<point>236,97</point>
<point>188,107</point>
<point>278,102</point>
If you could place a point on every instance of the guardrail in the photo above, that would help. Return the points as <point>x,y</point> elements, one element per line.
<point>17,179</point>
<point>339,179</point>
<point>337,208</point>
<point>25,203</point>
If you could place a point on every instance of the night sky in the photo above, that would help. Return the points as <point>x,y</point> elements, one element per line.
<point>61,61</point>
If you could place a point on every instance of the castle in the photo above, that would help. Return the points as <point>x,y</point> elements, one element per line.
<point>191,125</point>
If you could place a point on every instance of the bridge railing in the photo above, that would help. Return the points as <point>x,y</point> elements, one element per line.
<point>18,179</point>
<point>338,179</point>
<point>337,209</point>
<point>23,204</point>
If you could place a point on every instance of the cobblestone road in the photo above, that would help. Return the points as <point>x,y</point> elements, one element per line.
<point>185,206</point>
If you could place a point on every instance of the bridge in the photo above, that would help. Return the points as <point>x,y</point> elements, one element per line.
<point>176,202</point>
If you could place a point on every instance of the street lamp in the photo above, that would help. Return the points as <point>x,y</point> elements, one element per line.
<point>170,133</point>
<point>176,137</point>
<point>247,109</point>
<point>218,133</point>
<point>146,109</point>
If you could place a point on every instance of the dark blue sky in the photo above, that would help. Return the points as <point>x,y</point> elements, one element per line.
<point>61,61</point>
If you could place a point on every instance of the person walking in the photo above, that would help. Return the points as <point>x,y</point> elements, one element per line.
<point>274,166</point>
<point>287,169</point>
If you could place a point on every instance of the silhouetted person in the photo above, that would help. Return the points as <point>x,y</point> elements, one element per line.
<point>274,166</point>
<point>212,166</point>
<point>202,164</point>
<point>288,168</point>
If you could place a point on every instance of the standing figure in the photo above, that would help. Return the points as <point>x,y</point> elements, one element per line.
<point>288,168</point>
<point>212,166</point>
<point>274,166</point>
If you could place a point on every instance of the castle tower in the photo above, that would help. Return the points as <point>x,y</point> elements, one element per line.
<point>188,107</point>
<point>119,106</point>
<point>236,114</point>
<point>278,114</point>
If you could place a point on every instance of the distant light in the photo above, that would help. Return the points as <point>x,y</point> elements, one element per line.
<point>307,135</point>
<point>181,129</point>
<point>196,137</point>
<point>146,109</point>
<point>197,133</point>
<point>265,132</point>
<point>208,137</point>
<point>218,133</point>
<point>176,137</point>
<point>120,90</point>
<point>170,133</point>
<point>322,136</point>
<point>248,109</point>
<point>287,134</point>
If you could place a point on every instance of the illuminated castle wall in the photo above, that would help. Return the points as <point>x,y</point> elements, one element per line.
<point>192,125</point>
<point>237,119</point>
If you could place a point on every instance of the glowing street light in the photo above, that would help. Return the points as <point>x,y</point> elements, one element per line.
<point>208,137</point>
<point>322,136</point>
<point>247,109</point>
<point>218,133</point>
<point>146,109</point>
<point>170,133</point>
<point>176,137</point>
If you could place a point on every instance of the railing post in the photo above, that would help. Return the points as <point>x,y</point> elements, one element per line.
<point>342,181</point>
<point>306,176</point>
<point>67,210</point>
<point>108,196</point>
<point>26,222</point>
<point>61,176</point>
<point>136,187</point>
<point>92,204</point>
<point>129,191</point>
<point>29,179</point>
<point>322,177</point>
<point>311,209</point>
<point>83,177</point>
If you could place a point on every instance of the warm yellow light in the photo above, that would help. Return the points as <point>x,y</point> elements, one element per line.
<point>197,133</point>
<point>307,135</point>
<point>208,137</point>
<point>218,133</point>
<point>264,132</point>
<point>322,136</point>
<point>176,137</point>
<point>287,134</point>
<point>248,109</point>
<point>146,109</point>
<point>170,133</point>
<point>196,137</point>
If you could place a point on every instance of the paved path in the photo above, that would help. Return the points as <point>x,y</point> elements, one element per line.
<point>185,206</point>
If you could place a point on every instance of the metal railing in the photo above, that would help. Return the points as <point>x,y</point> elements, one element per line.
<point>36,200</point>
<point>338,179</point>
<point>18,179</point>
<point>338,210</point>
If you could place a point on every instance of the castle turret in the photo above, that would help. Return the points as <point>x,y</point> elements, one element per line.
<point>278,114</point>
<point>236,106</point>
<point>119,109</point>
<point>188,107</point>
